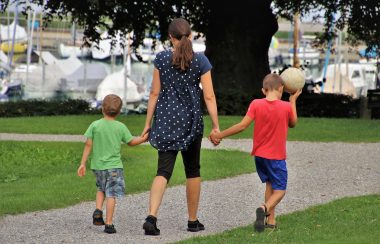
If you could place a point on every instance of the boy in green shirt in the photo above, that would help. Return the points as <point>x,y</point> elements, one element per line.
<point>104,137</point>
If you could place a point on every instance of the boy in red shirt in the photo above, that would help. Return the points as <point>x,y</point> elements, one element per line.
<point>272,118</point>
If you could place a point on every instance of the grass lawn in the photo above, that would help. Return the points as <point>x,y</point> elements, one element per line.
<point>348,220</point>
<point>42,175</point>
<point>307,129</point>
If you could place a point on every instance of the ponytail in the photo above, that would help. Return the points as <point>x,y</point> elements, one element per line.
<point>180,29</point>
<point>183,54</point>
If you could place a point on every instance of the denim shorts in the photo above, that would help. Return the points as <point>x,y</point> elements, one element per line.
<point>272,171</point>
<point>111,182</point>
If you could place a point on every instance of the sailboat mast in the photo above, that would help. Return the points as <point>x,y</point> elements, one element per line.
<point>14,34</point>
<point>126,59</point>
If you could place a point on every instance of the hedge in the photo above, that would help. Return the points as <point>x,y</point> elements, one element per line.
<point>308,104</point>
<point>45,107</point>
<point>229,103</point>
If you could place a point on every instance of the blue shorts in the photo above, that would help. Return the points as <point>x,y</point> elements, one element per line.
<point>272,171</point>
<point>111,182</point>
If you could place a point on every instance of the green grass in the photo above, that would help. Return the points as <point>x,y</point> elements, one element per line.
<point>307,129</point>
<point>348,220</point>
<point>42,175</point>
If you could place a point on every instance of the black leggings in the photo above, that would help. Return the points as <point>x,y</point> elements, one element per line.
<point>191,161</point>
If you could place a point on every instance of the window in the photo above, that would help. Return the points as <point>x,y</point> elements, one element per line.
<point>356,74</point>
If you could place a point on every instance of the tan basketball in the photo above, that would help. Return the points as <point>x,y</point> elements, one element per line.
<point>293,78</point>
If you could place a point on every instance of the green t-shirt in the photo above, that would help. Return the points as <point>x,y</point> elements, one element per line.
<point>107,136</point>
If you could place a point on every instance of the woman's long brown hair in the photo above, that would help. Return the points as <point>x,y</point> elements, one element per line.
<point>180,29</point>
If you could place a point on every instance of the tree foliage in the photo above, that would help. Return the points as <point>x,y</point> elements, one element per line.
<point>360,18</point>
<point>238,33</point>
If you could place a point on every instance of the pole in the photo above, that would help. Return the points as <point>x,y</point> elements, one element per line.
<point>74,34</point>
<point>296,61</point>
<point>340,61</point>
<point>41,59</point>
<point>8,37</point>
<point>28,47</point>
<point>14,35</point>
<point>335,63</point>
<point>30,43</point>
<point>126,55</point>
<point>327,57</point>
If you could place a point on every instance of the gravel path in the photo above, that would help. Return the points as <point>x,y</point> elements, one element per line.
<point>318,173</point>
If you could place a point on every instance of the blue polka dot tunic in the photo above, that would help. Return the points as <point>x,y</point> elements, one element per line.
<point>178,120</point>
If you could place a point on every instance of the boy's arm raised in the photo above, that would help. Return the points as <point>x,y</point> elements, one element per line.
<point>86,152</point>
<point>292,99</point>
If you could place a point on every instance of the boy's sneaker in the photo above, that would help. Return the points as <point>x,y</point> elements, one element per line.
<point>150,226</point>
<point>97,217</point>
<point>195,226</point>
<point>260,219</point>
<point>110,229</point>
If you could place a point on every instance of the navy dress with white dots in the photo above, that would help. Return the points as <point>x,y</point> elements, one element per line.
<point>178,120</point>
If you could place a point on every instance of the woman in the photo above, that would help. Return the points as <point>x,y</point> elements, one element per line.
<point>175,107</point>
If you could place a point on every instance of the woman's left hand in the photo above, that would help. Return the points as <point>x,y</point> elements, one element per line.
<point>145,131</point>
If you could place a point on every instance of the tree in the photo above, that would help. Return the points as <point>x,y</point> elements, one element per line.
<point>238,33</point>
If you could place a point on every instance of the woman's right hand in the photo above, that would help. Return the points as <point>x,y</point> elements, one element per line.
<point>214,138</point>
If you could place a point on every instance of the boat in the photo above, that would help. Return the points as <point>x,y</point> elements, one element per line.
<point>104,49</point>
<point>18,47</point>
<point>8,31</point>
<point>350,79</point>
<point>148,53</point>
<point>306,54</point>
<point>115,84</point>
<point>84,81</point>
<point>10,90</point>
<point>146,50</point>
<point>4,61</point>
<point>66,51</point>
<point>54,75</point>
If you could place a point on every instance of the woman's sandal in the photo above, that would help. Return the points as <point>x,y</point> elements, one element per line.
<point>260,218</point>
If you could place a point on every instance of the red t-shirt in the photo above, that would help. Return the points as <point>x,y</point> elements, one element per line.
<point>271,127</point>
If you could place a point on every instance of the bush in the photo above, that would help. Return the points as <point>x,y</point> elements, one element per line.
<point>375,113</point>
<point>327,105</point>
<point>45,107</point>
<point>308,104</point>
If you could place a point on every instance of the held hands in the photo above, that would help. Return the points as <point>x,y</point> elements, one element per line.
<point>145,134</point>
<point>145,137</point>
<point>293,97</point>
<point>82,170</point>
<point>215,137</point>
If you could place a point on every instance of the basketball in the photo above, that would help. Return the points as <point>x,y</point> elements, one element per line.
<point>294,79</point>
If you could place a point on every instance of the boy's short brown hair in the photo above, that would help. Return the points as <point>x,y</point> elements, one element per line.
<point>111,105</point>
<point>272,82</point>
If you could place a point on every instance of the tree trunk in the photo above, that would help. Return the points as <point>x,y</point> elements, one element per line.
<point>237,40</point>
